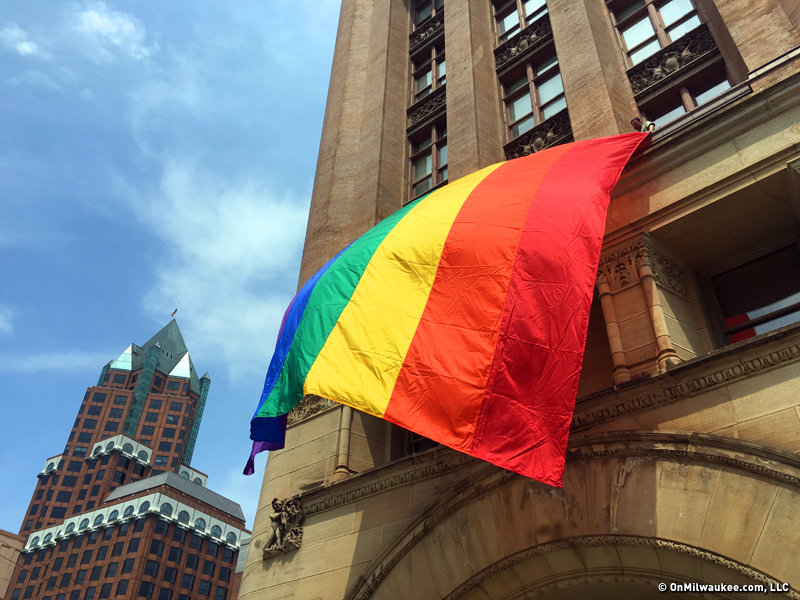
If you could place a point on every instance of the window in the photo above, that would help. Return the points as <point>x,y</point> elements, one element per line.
<point>74,466</point>
<point>646,26</point>
<point>150,417</point>
<point>122,587</point>
<point>105,591</point>
<point>221,593</point>
<point>79,451</point>
<point>151,568</point>
<point>111,569</point>
<point>208,568</point>
<point>100,474</point>
<point>514,15</point>
<point>96,572</point>
<point>84,437</point>
<point>145,590</point>
<point>173,386</point>
<point>165,447</point>
<point>227,555</point>
<point>127,566</point>
<point>72,560</point>
<point>172,419</point>
<point>156,547</point>
<point>115,413</point>
<point>58,512</point>
<point>120,400</point>
<point>187,581</point>
<point>133,545</point>
<point>87,557</point>
<point>51,583</point>
<point>170,575</point>
<point>429,71</point>
<point>168,432</point>
<point>157,382</point>
<point>423,9</point>
<point>428,158</point>
<point>191,561</point>
<point>118,378</point>
<point>176,406</point>
<point>532,93</point>
<point>224,574</point>
<point>95,490</point>
<point>175,554</point>
<point>162,527</point>
<point>204,589</point>
<point>197,541</point>
<point>99,397</point>
<point>165,594</point>
<point>161,459</point>
<point>748,309</point>
<point>178,534</point>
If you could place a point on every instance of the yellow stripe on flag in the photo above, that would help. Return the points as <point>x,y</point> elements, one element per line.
<point>365,351</point>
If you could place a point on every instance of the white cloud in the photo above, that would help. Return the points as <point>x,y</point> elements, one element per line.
<point>6,318</point>
<point>110,31</point>
<point>16,39</point>
<point>68,360</point>
<point>231,254</point>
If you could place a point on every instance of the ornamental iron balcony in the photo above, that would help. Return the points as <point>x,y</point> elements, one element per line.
<point>666,65</point>
<point>427,109</point>
<point>555,130</point>
<point>426,32</point>
<point>524,43</point>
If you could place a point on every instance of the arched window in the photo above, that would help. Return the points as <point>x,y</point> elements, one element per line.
<point>183,517</point>
<point>35,541</point>
<point>142,455</point>
<point>50,467</point>
<point>128,511</point>
<point>144,507</point>
<point>200,525</point>
<point>97,450</point>
<point>114,515</point>
<point>84,524</point>
<point>109,446</point>
<point>231,538</point>
<point>48,537</point>
<point>98,519</point>
<point>185,474</point>
<point>198,481</point>
<point>216,531</point>
<point>166,509</point>
<point>127,448</point>
<point>70,527</point>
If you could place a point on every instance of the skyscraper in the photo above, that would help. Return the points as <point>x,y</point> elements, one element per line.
<point>682,465</point>
<point>120,513</point>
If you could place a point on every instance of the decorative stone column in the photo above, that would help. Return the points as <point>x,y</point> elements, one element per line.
<point>628,281</point>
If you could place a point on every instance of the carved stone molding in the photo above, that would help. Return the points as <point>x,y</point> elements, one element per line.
<point>286,521</point>
<point>308,407</point>
<point>610,541</point>
<point>427,32</point>
<point>444,461</point>
<point>555,130</point>
<point>669,62</point>
<point>522,44</point>
<point>620,267</point>
<point>427,108</point>
<point>677,385</point>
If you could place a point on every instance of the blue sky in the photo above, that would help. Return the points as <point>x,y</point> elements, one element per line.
<point>153,155</point>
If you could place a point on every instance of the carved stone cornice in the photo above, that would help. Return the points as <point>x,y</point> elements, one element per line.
<point>612,540</point>
<point>691,378</point>
<point>672,61</point>
<point>524,43</point>
<point>427,109</point>
<point>286,533</point>
<point>620,267</point>
<point>426,32</point>
<point>555,130</point>
<point>308,407</point>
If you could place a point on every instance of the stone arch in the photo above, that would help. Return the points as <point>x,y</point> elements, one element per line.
<point>718,506</point>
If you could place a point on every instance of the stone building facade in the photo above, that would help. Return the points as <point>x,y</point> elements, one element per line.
<point>682,465</point>
<point>120,513</point>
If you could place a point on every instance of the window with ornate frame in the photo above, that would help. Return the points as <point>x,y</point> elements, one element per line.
<point>512,16</point>
<point>644,28</point>
<point>428,152</point>
<point>428,72</point>
<point>532,93</point>
<point>423,9</point>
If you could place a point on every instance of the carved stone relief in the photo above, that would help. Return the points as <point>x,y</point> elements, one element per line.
<point>524,42</point>
<point>308,407</point>
<point>620,268</point>
<point>555,130</point>
<point>427,107</point>
<point>286,527</point>
<point>425,33</point>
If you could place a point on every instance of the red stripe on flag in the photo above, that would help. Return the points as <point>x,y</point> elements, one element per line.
<point>526,414</point>
<point>438,394</point>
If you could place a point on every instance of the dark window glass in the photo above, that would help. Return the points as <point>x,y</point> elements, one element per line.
<point>123,529</point>
<point>173,419</point>
<point>179,535</point>
<point>151,568</point>
<point>84,437</point>
<point>119,378</point>
<point>105,591</point>
<point>87,479</point>
<point>111,426</point>
<point>116,550</point>
<point>173,386</point>
<point>175,554</point>
<point>224,574</point>
<point>196,541</point>
<point>139,469</point>
<point>96,572</point>
<point>212,549</point>
<point>58,512</point>
<point>64,496</point>
<point>28,592</point>
<point>221,593</point>
<point>58,562</point>
<point>204,589</point>
<point>108,533</point>
<point>170,575</point>
<point>118,477</point>
<point>191,561</point>
<point>156,547</point>
<point>101,552</point>
<point>151,417</point>
<point>72,560</point>
<point>111,569</point>
<point>78,541</point>
<point>148,430</point>
<point>165,447</point>
<point>90,592</point>
<point>94,411</point>
<point>187,581</point>
<point>127,566</point>
<point>74,466</point>
<point>175,406</point>
<point>90,505</point>
<point>169,432</point>
<point>22,575</point>
<point>95,490</point>
<point>82,493</point>
<point>65,579</point>
<point>133,545</point>
<point>161,459</point>
<point>145,590</point>
<point>75,595</point>
<point>154,404</point>
<point>157,382</point>
<point>115,413</point>
<point>51,583</point>
<point>139,525</point>
<point>208,568</point>
<point>122,587</point>
<point>162,527</point>
<point>99,397</point>
<point>120,400</point>
<point>94,535</point>
<point>87,557</point>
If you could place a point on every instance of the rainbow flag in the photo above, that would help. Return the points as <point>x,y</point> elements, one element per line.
<point>462,316</point>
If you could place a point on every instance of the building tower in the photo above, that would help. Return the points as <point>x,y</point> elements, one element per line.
<point>682,464</point>
<point>120,513</point>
